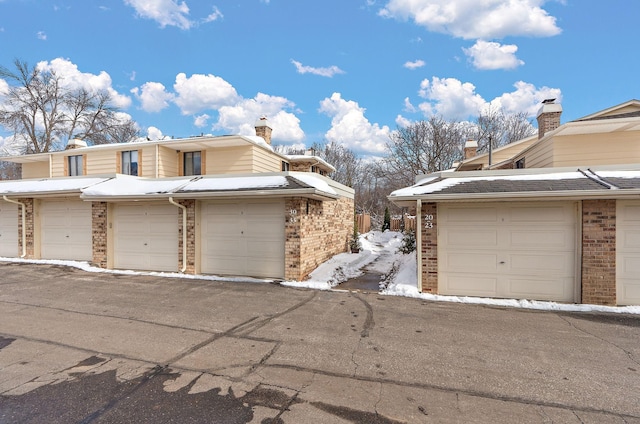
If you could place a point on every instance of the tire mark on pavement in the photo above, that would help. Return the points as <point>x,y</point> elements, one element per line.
<point>369,323</point>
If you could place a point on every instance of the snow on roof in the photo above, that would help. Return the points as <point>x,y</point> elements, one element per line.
<point>125,185</point>
<point>427,186</point>
<point>236,183</point>
<point>259,141</point>
<point>315,182</point>
<point>48,185</point>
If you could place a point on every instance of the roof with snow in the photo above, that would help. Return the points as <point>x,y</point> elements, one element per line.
<point>123,187</point>
<point>498,185</point>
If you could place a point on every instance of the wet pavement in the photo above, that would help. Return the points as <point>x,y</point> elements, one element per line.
<point>80,347</point>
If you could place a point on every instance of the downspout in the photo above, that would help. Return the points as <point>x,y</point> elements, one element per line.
<point>24,224</point>
<point>419,243</point>
<point>184,233</point>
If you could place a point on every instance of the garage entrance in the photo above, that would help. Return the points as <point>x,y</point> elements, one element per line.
<point>65,230</point>
<point>508,250</point>
<point>628,252</point>
<point>8,229</point>
<point>243,238</point>
<point>145,237</point>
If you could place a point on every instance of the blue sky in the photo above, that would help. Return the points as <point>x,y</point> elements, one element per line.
<point>347,71</point>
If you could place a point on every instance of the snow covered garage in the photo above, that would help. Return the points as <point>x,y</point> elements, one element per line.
<point>566,235</point>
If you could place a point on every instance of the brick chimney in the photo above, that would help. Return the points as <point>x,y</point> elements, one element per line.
<point>470,149</point>
<point>548,117</point>
<point>263,129</point>
<point>75,143</point>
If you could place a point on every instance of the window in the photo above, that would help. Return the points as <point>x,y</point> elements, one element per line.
<point>520,164</point>
<point>314,169</point>
<point>130,162</point>
<point>285,166</point>
<point>192,163</point>
<point>75,165</point>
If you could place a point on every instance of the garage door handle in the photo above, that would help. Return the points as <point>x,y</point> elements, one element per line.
<point>145,244</point>
<point>502,262</point>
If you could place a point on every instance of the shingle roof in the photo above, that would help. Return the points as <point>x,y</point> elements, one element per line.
<point>510,186</point>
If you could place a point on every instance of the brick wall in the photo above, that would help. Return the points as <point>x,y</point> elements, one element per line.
<point>599,252</point>
<point>99,233</point>
<point>29,234</point>
<point>191,236</point>
<point>315,232</point>
<point>429,232</point>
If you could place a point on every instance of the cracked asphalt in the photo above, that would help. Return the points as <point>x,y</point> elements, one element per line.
<point>79,347</point>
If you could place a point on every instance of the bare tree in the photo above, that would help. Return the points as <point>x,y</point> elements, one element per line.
<point>494,128</point>
<point>43,113</point>
<point>422,147</point>
<point>348,165</point>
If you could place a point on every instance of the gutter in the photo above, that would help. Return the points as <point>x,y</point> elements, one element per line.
<point>419,243</point>
<point>24,224</point>
<point>184,233</point>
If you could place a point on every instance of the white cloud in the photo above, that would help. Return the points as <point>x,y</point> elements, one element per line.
<point>201,120</point>
<point>41,35</point>
<point>323,72</point>
<point>470,19</point>
<point>72,78</point>
<point>454,99</point>
<point>415,64</point>
<point>214,16</point>
<point>401,121</point>
<point>491,55</point>
<point>240,118</point>
<point>154,134</point>
<point>201,92</point>
<point>153,96</point>
<point>350,127</point>
<point>4,87</point>
<point>408,107</point>
<point>165,12</point>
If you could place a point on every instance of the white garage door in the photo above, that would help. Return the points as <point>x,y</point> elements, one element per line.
<point>243,238</point>
<point>145,237</point>
<point>65,230</point>
<point>628,252</point>
<point>511,250</point>
<point>9,230</point>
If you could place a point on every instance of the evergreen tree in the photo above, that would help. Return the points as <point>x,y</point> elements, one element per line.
<point>386,225</point>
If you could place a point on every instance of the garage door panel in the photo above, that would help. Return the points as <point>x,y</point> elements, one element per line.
<point>628,252</point>
<point>243,238</point>
<point>146,237</point>
<point>482,238</point>
<point>8,229</point>
<point>65,230</point>
<point>527,250</point>
<point>455,214</point>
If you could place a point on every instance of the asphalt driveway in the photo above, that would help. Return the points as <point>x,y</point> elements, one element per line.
<point>79,347</point>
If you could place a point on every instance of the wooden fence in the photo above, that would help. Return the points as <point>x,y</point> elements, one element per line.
<point>364,222</point>
<point>408,220</point>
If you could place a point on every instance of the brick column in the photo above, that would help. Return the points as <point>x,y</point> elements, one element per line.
<point>191,236</point>
<point>29,234</point>
<point>429,232</point>
<point>293,236</point>
<point>99,233</point>
<point>599,252</point>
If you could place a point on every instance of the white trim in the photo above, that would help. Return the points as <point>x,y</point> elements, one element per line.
<point>24,224</point>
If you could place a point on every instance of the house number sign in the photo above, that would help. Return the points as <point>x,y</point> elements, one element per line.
<point>428,222</point>
<point>293,215</point>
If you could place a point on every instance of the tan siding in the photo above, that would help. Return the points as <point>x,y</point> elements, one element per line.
<point>597,149</point>
<point>627,109</point>
<point>264,161</point>
<point>167,162</point>
<point>541,156</point>
<point>101,162</point>
<point>35,170</point>
<point>234,160</point>
<point>147,161</point>
<point>57,166</point>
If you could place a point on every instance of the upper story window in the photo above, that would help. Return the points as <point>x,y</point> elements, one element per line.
<point>285,166</point>
<point>130,162</point>
<point>74,165</point>
<point>314,169</point>
<point>192,163</point>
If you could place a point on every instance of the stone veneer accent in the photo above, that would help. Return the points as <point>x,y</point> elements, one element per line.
<point>30,228</point>
<point>429,265</point>
<point>599,252</point>
<point>316,231</point>
<point>99,233</point>
<point>191,236</point>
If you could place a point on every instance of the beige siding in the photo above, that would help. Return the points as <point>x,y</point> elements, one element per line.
<point>148,157</point>
<point>264,161</point>
<point>233,160</point>
<point>627,109</point>
<point>167,162</point>
<point>540,156</point>
<point>597,149</point>
<point>35,170</point>
<point>57,166</point>
<point>101,162</point>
